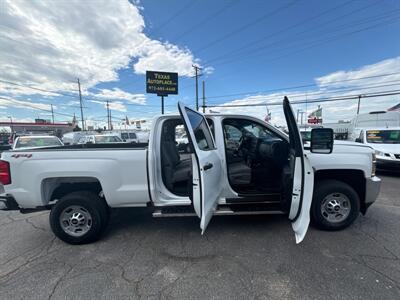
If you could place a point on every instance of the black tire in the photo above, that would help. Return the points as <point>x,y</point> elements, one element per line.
<point>93,204</point>
<point>329,187</point>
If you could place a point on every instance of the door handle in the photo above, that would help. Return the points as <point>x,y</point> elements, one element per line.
<point>207,166</point>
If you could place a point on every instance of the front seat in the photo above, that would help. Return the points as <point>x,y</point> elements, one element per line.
<point>174,169</point>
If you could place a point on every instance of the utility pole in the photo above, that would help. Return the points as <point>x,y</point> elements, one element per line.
<point>52,113</point>
<point>108,116</point>
<point>111,126</point>
<point>204,97</point>
<point>196,70</point>
<point>297,116</point>
<point>80,101</point>
<point>358,106</point>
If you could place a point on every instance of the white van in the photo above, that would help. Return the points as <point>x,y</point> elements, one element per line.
<point>375,119</point>
<point>385,142</point>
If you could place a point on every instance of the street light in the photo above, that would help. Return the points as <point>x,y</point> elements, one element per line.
<point>11,125</point>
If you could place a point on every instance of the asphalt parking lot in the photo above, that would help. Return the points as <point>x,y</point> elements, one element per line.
<point>237,258</point>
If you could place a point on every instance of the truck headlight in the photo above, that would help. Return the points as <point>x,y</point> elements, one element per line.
<point>373,168</point>
<point>379,153</point>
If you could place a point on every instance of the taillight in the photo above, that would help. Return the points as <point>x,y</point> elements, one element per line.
<point>5,176</point>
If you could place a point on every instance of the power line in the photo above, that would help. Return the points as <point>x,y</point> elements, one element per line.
<point>336,91</point>
<point>244,27</point>
<point>244,55</point>
<point>174,16</point>
<point>37,89</point>
<point>317,100</point>
<point>302,86</point>
<point>215,14</point>
<point>35,107</point>
<point>283,30</point>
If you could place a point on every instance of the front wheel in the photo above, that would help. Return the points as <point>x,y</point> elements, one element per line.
<point>335,205</point>
<point>79,217</point>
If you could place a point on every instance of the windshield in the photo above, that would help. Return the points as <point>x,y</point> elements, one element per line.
<point>258,131</point>
<point>306,136</point>
<point>28,142</point>
<point>107,139</point>
<point>383,136</point>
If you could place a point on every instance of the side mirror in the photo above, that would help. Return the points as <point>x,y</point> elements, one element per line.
<point>358,140</point>
<point>321,140</point>
<point>124,140</point>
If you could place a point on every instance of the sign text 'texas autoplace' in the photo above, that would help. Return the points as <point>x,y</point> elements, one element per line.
<point>161,83</point>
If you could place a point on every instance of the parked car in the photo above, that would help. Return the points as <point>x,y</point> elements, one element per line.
<point>99,139</point>
<point>261,171</point>
<point>386,143</point>
<point>36,142</point>
<point>72,138</point>
<point>128,136</point>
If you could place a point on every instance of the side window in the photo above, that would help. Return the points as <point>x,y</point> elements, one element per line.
<point>232,136</point>
<point>211,125</point>
<point>235,129</point>
<point>124,136</point>
<point>132,135</point>
<point>201,132</point>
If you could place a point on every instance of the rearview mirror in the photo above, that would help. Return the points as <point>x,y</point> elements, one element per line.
<point>321,140</point>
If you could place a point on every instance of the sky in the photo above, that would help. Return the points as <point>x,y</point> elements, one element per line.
<point>249,52</point>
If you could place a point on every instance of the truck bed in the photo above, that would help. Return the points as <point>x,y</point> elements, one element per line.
<point>114,146</point>
<point>120,170</point>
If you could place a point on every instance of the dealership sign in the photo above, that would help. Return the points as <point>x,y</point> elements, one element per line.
<point>161,83</point>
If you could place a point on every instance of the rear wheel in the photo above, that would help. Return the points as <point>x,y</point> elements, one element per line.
<point>79,217</point>
<point>335,205</point>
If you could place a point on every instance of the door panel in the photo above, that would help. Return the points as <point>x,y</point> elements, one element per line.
<point>207,170</point>
<point>302,177</point>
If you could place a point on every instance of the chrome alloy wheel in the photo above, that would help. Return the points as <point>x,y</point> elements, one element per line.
<point>336,207</point>
<point>75,220</point>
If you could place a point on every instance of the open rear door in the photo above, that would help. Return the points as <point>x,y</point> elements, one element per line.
<point>302,177</point>
<point>207,167</point>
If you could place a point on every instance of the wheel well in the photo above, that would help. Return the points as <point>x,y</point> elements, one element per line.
<point>55,188</point>
<point>354,178</point>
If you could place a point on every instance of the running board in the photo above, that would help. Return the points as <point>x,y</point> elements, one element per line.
<point>220,212</point>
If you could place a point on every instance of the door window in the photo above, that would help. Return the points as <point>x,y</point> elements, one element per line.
<point>201,132</point>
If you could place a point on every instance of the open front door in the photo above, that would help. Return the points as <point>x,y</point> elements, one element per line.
<point>207,167</point>
<point>302,177</point>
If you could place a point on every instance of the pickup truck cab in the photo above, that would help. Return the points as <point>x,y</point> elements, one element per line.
<point>233,164</point>
<point>36,142</point>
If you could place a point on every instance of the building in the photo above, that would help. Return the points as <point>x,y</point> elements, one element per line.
<point>38,127</point>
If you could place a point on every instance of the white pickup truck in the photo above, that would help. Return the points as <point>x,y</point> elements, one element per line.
<point>232,164</point>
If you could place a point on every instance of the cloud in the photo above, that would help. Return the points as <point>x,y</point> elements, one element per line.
<point>118,94</point>
<point>10,102</point>
<point>115,105</point>
<point>49,44</point>
<point>328,87</point>
<point>348,78</point>
<point>165,57</point>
